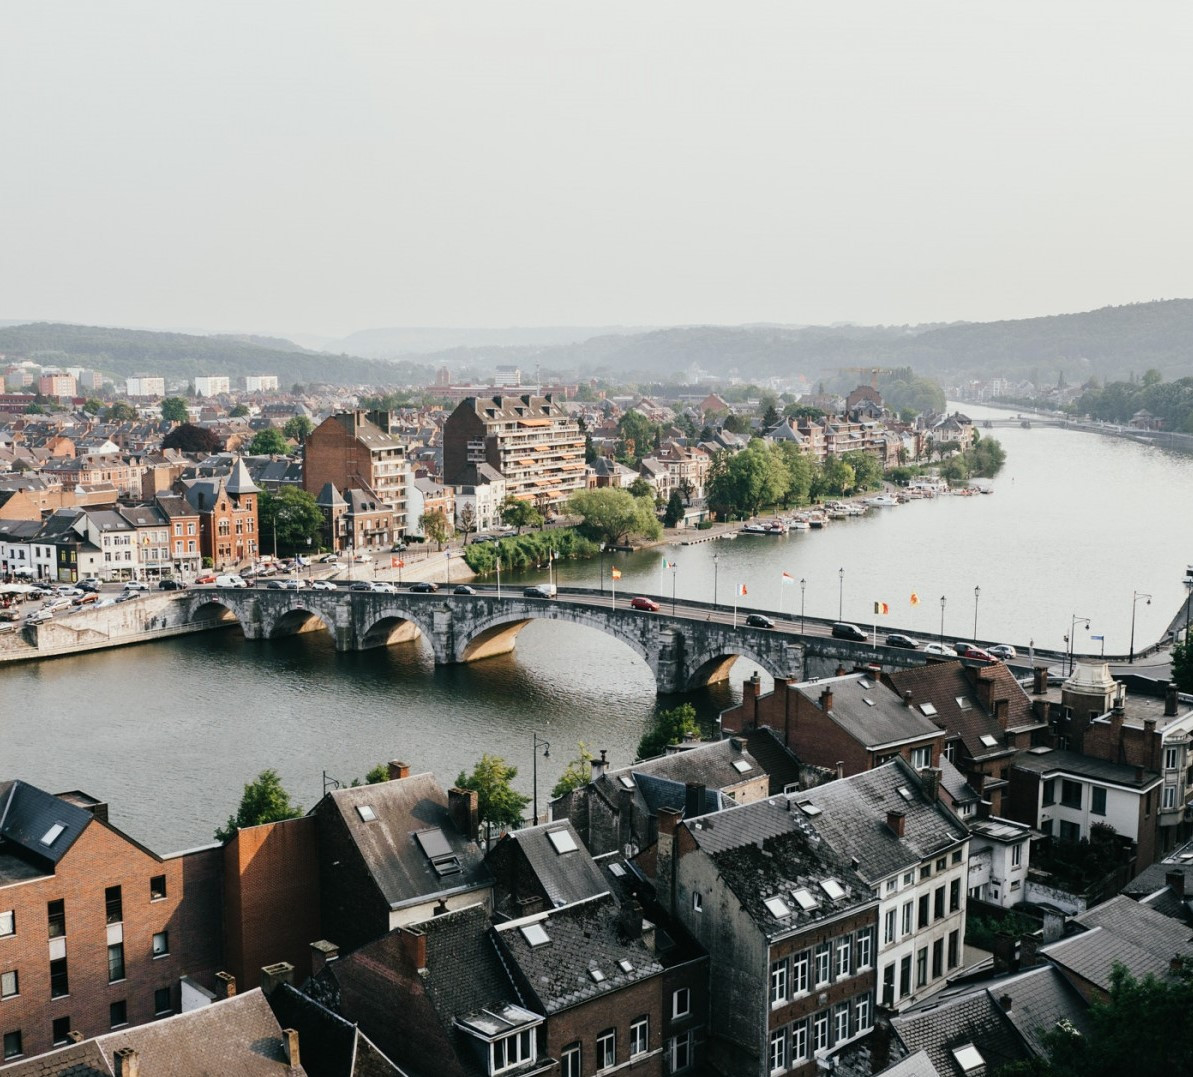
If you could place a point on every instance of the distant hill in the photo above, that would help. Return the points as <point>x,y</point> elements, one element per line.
<point>121,352</point>
<point>413,340</point>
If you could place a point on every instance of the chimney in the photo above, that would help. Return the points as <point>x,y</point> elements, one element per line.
<point>531,905</point>
<point>985,688</point>
<point>1004,1001</point>
<point>649,939</point>
<point>414,947</point>
<point>826,700</point>
<point>272,976</point>
<point>128,1062</point>
<point>1139,774</point>
<point>463,807</point>
<point>1004,952</point>
<point>75,1036</point>
<point>290,1046</point>
<point>629,921</point>
<point>100,810</point>
<point>1149,725</point>
<point>665,858</point>
<point>225,985</point>
<point>323,953</point>
<point>880,1040</point>
<point>984,808</point>
<point>907,699</point>
<point>398,769</point>
<point>1170,699</point>
<point>1039,680</point>
<point>693,800</point>
<point>1175,881</point>
<point>1029,947</point>
<point>931,781</point>
<point>600,765</point>
<point>1054,926</point>
<point>894,820</point>
<point>1002,711</point>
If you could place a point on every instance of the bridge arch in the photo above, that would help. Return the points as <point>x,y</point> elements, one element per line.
<point>296,620</point>
<point>712,662</point>
<point>214,612</point>
<point>383,625</point>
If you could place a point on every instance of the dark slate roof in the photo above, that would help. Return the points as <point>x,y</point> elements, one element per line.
<point>564,877</point>
<point>774,757</point>
<point>941,1027</point>
<point>952,780</point>
<point>1040,999</point>
<point>1153,877</point>
<point>582,938</point>
<point>659,793</point>
<point>389,846</point>
<point>240,481</point>
<point>77,1060</point>
<point>916,1065</point>
<point>1057,761</point>
<point>710,763</point>
<point>27,814</point>
<point>329,497</point>
<point>868,711</point>
<point>853,812</point>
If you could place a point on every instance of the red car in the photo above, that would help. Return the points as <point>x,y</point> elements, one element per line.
<point>641,603</point>
<point>206,578</point>
<point>978,654</point>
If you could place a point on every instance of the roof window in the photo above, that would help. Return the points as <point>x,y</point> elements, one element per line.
<point>625,964</point>
<point>563,841</point>
<point>741,766</point>
<point>808,808</point>
<point>52,835</point>
<point>626,781</point>
<point>777,907</point>
<point>535,935</point>
<point>366,813</point>
<point>904,792</point>
<point>968,1057</point>
<point>804,899</point>
<point>964,703</point>
<point>596,975</point>
<point>989,740</point>
<point>617,870</point>
<point>833,888</point>
<point>928,708</point>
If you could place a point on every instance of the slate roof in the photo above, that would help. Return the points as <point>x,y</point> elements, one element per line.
<point>329,497</point>
<point>710,764</point>
<point>942,1026</point>
<point>1058,761</point>
<point>581,938</point>
<point>916,1065</point>
<point>27,815</point>
<point>565,877</point>
<point>240,481</point>
<point>952,780</point>
<point>659,793</point>
<point>779,762</point>
<point>853,812</point>
<point>1122,931</point>
<point>1040,998</point>
<point>77,1060</point>
<point>868,711</point>
<point>389,847</point>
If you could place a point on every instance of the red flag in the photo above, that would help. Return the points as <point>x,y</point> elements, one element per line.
<point>615,573</point>
<point>741,589</point>
<point>396,562</point>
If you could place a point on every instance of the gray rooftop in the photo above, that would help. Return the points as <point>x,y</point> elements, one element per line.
<point>37,829</point>
<point>869,711</point>
<point>557,857</point>
<point>1055,761</point>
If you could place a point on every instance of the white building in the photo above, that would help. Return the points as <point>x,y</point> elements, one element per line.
<point>999,857</point>
<point>260,383</point>
<point>212,386</point>
<point>145,385</point>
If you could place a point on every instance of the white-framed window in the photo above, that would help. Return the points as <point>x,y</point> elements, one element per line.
<point>862,1013</point>
<point>799,1041</point>
<point>820,1031</point>
<point>843,956</point>
<point>8,922</point>
<point>640,1036</point>
<point>1017,855</point>
<point>9,984</point>
<point>1170,796</point>
<point>905,927</point>
<point>606,1049</point>
<point>1170,758</point>
<point>681,1003</point>
<point>888,926</point>
<point>841,1021</point>
<point>778,982</point>
<point>512,1050</point>
<point>778,1051</point>
<point>799,973</point>
<point>697,903</point>
<point>569,1061</point>
<point>921,757</point>
<point>823,964</point>
<point>161,943</point>
<point>679,1052</point>
<point>865,948</point>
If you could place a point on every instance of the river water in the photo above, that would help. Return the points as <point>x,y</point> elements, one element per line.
<point>169,733</point>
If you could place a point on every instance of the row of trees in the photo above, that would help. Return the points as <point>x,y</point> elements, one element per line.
<point>1118,401</point>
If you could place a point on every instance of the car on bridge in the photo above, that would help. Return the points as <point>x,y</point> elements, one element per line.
<point>463,589</point>
<point>1004,651</point>
<point>939,649</point>
<point>540,590</point>
<point>978,654</point>
<point>641,602</point>
<point>136,585</point>
<point>323,585</point>
<point>385,588</point>
<point>897,639</point>
<point>845,630</point>
<point>170,584</point>
<point>759,620</point>
<point>424,587</point>
<point>364,585</point>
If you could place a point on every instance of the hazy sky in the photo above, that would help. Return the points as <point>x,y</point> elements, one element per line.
<point>320,167</point>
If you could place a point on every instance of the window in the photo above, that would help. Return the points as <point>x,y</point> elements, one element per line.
<point>606,1049</point>
<point>1170,758</point>
<point>59,981</point>
<point>841,1022</point>
<point>891,884</point>
<point>56,914</point>
<point>161,1001</point>
<point>921,967</point>
<point>1050,791</point>
<point>925,911</point>
<point>820,1031</point>
<point>1070,793</point>
<point>681,1003</point>
<point>862,1013</point>
<point>679,1052</point>
<point>938,958</point>
<point>906,925</point>
<point>888,927</point>
<point>941,864</point>
<point>1097,801</point>
<point>697,903</point>
<point>925,871</point>
<point>954,895</point>
<point>1069,831</point>
<point>161,943</point>
<point>799,1041</point>
<point>938,903</point>
<point>778,1051</point>
<point>843,956</point>
<point>9,984</point>
<point>953,950</point>
<point>118,1014</point>
<point>865,946</point>
<point>905,976</point>
<point>799,973</point>
<point>8,923</point>
<point>113,905</point>
<point>60,1030</point>
<point>639,1036</point>
<point>823,964</point>
<point>1017,849</point>
<point>921,757</point>
<point>12,1044</point>
<point>115,962</point>
<point>778,982</point>
<point>512,1050</point>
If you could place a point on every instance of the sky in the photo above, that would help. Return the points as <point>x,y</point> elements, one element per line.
<point>310,167</point>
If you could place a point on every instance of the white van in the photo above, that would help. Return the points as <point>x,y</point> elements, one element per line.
<point>230,580</point>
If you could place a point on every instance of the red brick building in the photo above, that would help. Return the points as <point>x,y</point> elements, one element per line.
<point>355,450</point>
<point>227,509</point>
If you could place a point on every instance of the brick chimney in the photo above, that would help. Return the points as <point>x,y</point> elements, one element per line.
<point>907,697</point>
<point>930,779</point>
<point>1002,712</point>
<point>826,700</point>
<point>599,766</point>
<point>1170,700</point>
<point>665,858</point>
<point>75,1036</point>
<point>985,688</point>
<point>1175,881</point>
<point>895,821</point>
<point>290,1046</point>
<point>272,976</point>
<point>463,805</point>
<point>414,946</point>
<point>323,953</point>
<point>629,921</point>
<point>127,1062</point>
<point>1004,1002</point>
<point>398,769</point>
<point>1039,680</point>
<point>1054,926</point>
<point>693,800</point>
<point>225,985</point>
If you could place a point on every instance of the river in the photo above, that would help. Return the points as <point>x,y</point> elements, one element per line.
<point>168,733</point>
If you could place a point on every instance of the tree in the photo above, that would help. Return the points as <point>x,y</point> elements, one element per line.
<point>674,511</point>
<point>668,727</point>
<point>467,519</point>
<point>498,803</point>
<point>290,518</point>
<point>187,437</point>
<point>174,409</point>
<point>867,471</point>
<point>641,487</point>
<point>519,514</point>
<point>92,406</point>
<point>268,442</point>
<point>297,428</point>
<point>576,774</point>
<point>611,515</point>
<point>120,412</point>
<point>637,436</point>
<point>687,490</point>
<point>239,412</point>
<point>736,424</point>
<point>264,801</point>
<point>436,526</point>
<point>379,774</point>
<point>1182,664</point>
<point>34,408</point>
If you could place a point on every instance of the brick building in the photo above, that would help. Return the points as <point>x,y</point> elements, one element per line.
<point>95,930</point>
<point>227,510</point>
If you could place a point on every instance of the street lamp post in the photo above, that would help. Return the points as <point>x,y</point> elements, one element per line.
<point>715,558</point>
<point>602,568</point>
<point>841,594</point>
<point>546,747</point>
<point>497,551</point>
<point>1135,597</point>
<point>943,600</point>
<point>674,566</point>
<point>977,591</point>
<point>803,588</point>
<point>1072,633</point>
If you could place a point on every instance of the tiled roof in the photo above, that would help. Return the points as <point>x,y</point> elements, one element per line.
<point>711,764</point>
<point>1154,877</point>
<point>975,1019</point>
<point>868,711</point>
<point>581,957</point>
<point>77,1060</point>
<point>565,877</point>
<point>1040,999</point>
<point>954,782</point>
<point>853,812</point>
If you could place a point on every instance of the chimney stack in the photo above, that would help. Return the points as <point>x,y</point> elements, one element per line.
<point>1002,712</point>
<point>693,800</point>
<point>665,858</point>
<point>273,976</point>
<point>826,700</point>
<point>931,781</point>
<point>600,765</point>
<point>75,1036</point>
<point>225,985</point>
<point>1039,680</point>
<point>629,921</point>
<point>1170,700</point>
<point>463,805</point>
<point>894,820</point>
<point>127,1062</point>
<point>290,1046</point>
<point>414,946</point>
<point>398,769</point>
<point>907,699</point>
<point>1175,881</point>
<point>323,953</point>
<point>1054,926</point>
<point>1004,1001</point>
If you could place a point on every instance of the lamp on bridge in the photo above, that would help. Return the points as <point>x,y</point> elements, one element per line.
<point>546,747</point>
<point>942,605</point>
<point>497,551</point>
<point>803,588</point>
<point>715,558</point>
<point>1072,633</point>
<point>674,566</point>
<point>977,591</point>
<point>841,594</point>
<point>1135,597</point>
<point>602,549</point>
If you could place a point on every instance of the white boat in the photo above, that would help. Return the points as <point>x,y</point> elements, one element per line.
<point>882,501</point>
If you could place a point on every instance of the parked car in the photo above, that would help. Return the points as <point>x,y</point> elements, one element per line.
<point>84,599</point>
<point>69,592</point>
<point>940,649</point>
<point>759,620</point>
<point>463,589</point>
<point>978,654</point>
<point>91,583</point>
<point>362,585</point>
<point>845,630</point>
<point>323,585</point>
<point>385,588</point>
<point>397,547</point>
<point>329,559</point>
<point>540,590</point>
<point>960,647</point>
<point>1004,651</point>
<point>424,587</point>
<point>897,639</point>
<point>171,585</point>
<point>207,577</point>
<point>230,579</point>
<point>641,602</point>
<point>136,585</point>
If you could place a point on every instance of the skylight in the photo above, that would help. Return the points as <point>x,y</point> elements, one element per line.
<point>626,965</point>
<point>51,835</point>
<point>433,842</point>
<point>928,709</point>
<point>563,841</point>
<point>626,781</point>
<point>964,703</point>
<point>989,740</point>
<point>867,701</point>
<point>597,975</point>
<point>804,899</point>
<point>904,792</point>
<point>741,766</point>
<point>833,888</point>
<point>808,808</point>
<point>865,683</point>
<point>366,813</point>
<point>777,907</point>
<point>616,869</point>
<point>968,1057</point>
<point>534,934</point>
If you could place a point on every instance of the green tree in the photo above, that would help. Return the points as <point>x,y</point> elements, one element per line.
<point>174,409</point>
<point>576,774</point>
<point>669,727</point>
<point>867,471</point>
<point>92,406</point>
<point>264,801</point>
<point>268,442</point>
<point>379,774</point>
<point>736,424</point>
<point>187,437</point>
<point>239,412</point>
<point>640,487</point>
<point>297,428</point>
<point>120,412</point>
<point>292,517</point>
<point>674,511</point>
<point>637,435</point>
<point>1182,664</point>
<point>611,515</point>
<point>519,514</point>
<point>436,526</point>
<point>498,803</point>
<point>34,408</point>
